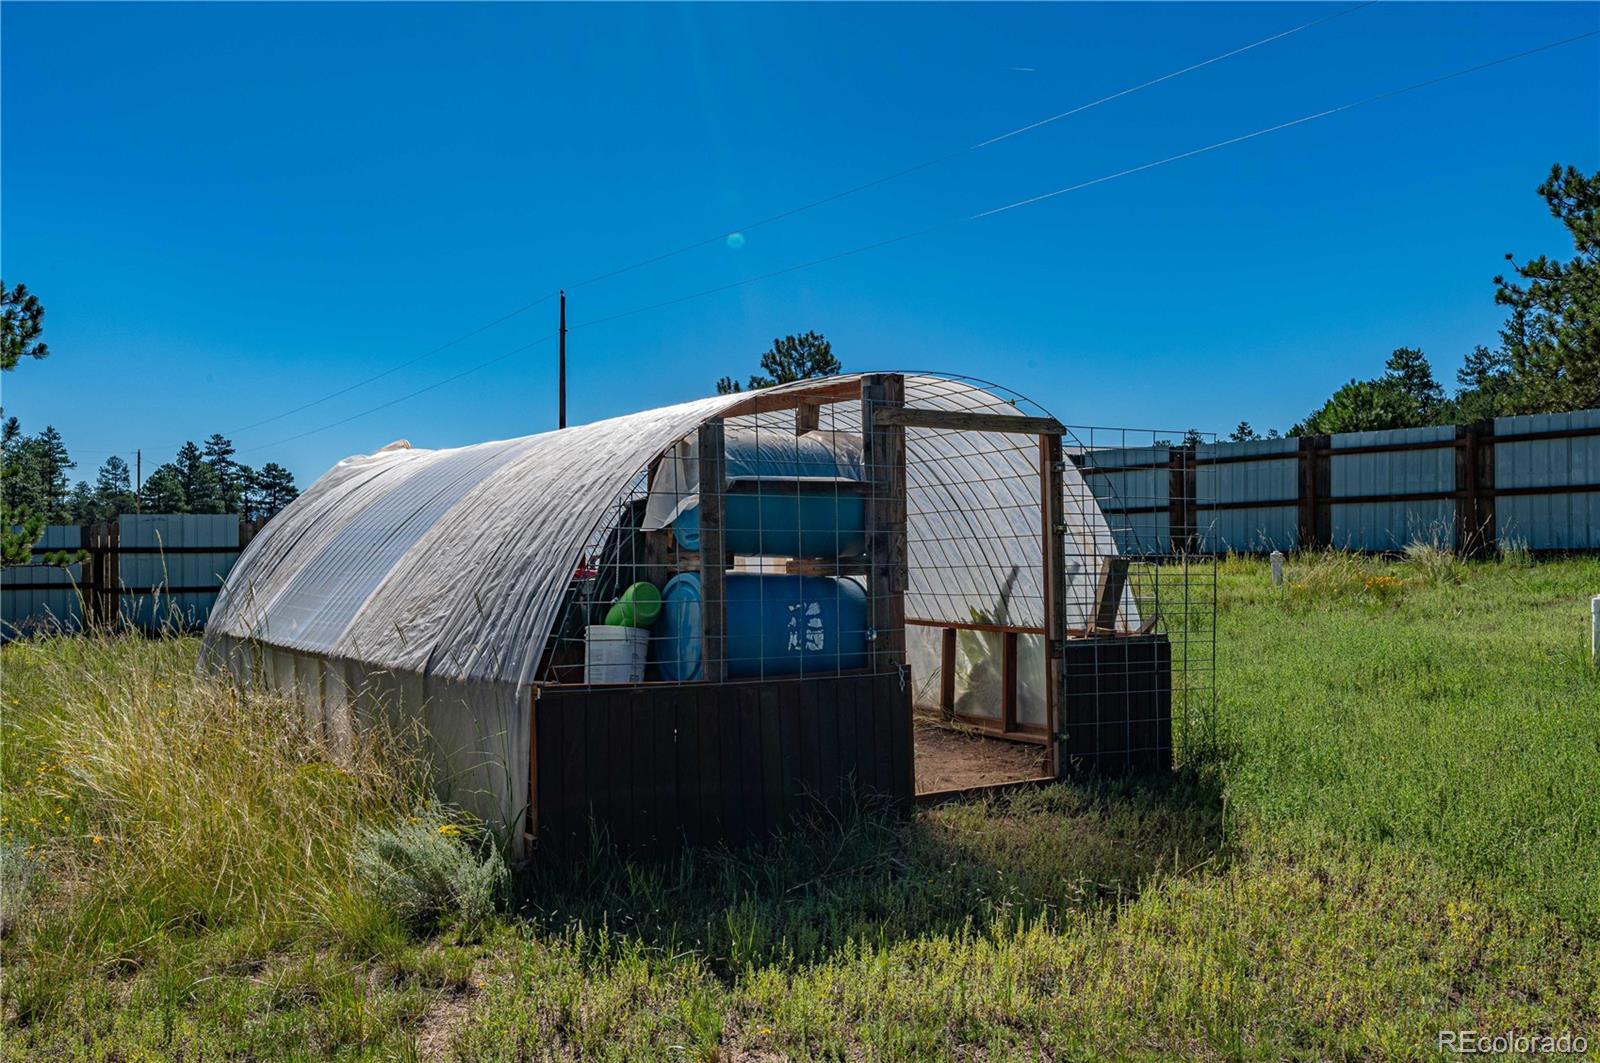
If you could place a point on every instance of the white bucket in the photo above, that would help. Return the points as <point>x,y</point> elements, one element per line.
<point>614,654</point>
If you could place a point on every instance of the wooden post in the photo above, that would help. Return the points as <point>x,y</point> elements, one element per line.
<point>1475,524</point>
<point>88,583</point>
<point>1176,508</point>
<point>1008,676</point>
<point>947,672</point>
<point>713,554</point>
<point>1108,597</point>
<point>561,417</point>
<point>1316,485</point>
<point>101,574</point>
<point>886,519</point>
<point>1052,514</point>
<point>807,417</point>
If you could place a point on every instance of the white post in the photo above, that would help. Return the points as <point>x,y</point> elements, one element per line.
<point>1594,630</point>
<point>1277,568</point>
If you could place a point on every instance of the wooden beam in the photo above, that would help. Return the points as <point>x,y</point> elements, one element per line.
<point>1108,596</point>
<point>769,400</point>
<point>713,553</point>
<point>886,517</point>
<point>827,566</point>
<point>960,420</point>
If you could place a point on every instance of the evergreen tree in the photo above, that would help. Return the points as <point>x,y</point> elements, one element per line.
<point>1552,338</point>
<point>219,452</point>
<point>21,324</point>
<point>275,489</point>
<point>789,359</point>
<point>202,491</point>
<point>1243,434</point>
<point>164,491</point>
<point>1405,396</point>
<point>55,463</point>
<point>113,490</point>
<point>82,506</point>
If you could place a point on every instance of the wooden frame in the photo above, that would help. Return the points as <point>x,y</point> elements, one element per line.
<point>885,456</point>
<point>713,555</point>
<point>959,420</point>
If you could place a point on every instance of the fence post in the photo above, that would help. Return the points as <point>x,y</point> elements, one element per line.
<point>1316,485</point>
<point>1475,525</point>
<point>1182,514</point>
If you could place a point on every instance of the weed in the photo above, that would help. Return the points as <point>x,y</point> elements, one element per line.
<point>425,870</point>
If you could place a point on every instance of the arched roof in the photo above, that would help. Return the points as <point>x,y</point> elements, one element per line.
<point>452,564</point>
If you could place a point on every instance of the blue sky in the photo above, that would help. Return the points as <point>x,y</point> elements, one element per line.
<point>233,210</point>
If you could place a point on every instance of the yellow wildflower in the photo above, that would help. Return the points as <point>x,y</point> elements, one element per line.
<point>449,830</point>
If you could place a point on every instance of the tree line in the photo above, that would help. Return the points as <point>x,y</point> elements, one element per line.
<point>1547,359</point>
<point>199,479</point>
<point>36,486</point>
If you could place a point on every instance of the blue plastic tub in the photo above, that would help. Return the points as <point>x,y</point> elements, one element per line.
<point>785,520</point>
<point>776,625</point>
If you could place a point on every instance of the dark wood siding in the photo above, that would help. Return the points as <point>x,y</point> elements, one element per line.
<point>656,767</point>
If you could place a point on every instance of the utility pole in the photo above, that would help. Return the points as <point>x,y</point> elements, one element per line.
<point>138,477</point>
<point>563,421</point>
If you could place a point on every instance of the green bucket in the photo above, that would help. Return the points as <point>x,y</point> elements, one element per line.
<point>639,606</point>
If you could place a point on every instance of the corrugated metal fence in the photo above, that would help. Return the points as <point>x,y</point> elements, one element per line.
<point>155,570</point>
<point>1530,481</point>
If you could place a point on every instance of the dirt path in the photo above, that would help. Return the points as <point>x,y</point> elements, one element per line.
<point>952,760</point>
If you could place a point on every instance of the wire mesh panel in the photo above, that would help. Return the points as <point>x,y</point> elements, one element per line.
<point>1160,516</point>
<point>807,532</point>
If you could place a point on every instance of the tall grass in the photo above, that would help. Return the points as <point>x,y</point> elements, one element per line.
<point>168,807</point>
<point>1400,833</point>
<point>1443,705</point>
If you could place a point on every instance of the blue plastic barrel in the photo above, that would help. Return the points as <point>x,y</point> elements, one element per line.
<point>785,520</point>
<point>776,625</point>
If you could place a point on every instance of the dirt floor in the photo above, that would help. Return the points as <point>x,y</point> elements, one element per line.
<point>954,760</point>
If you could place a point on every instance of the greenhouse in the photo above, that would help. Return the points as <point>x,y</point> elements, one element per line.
<point>691,623</point>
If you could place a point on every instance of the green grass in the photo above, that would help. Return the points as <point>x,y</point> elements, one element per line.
<point>1398,833</point>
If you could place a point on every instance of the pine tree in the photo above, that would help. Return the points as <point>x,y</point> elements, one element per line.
<point>164,491</point>
<point>55,464</point>
<point>202,492</point>
<point>219,451</point>
<point>789,359</point>
<point>1552,338</point>
<point>21,324</point>
<point>275,488</point>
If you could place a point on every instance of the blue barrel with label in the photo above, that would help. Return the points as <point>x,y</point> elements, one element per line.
<point>776,625</point>
<point>785,519</point>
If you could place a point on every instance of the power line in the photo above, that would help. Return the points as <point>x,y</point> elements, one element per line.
<point>947,156</point>
<point>952,222</point>
<point>802,208</point>
<point>402,365</point>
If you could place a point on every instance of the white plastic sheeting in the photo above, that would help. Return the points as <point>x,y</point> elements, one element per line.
<point>425,583</point>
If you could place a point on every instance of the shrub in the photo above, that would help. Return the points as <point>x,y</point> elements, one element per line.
<point>1434,563</point>
<point>425,870</point>
<point>20,878</point>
